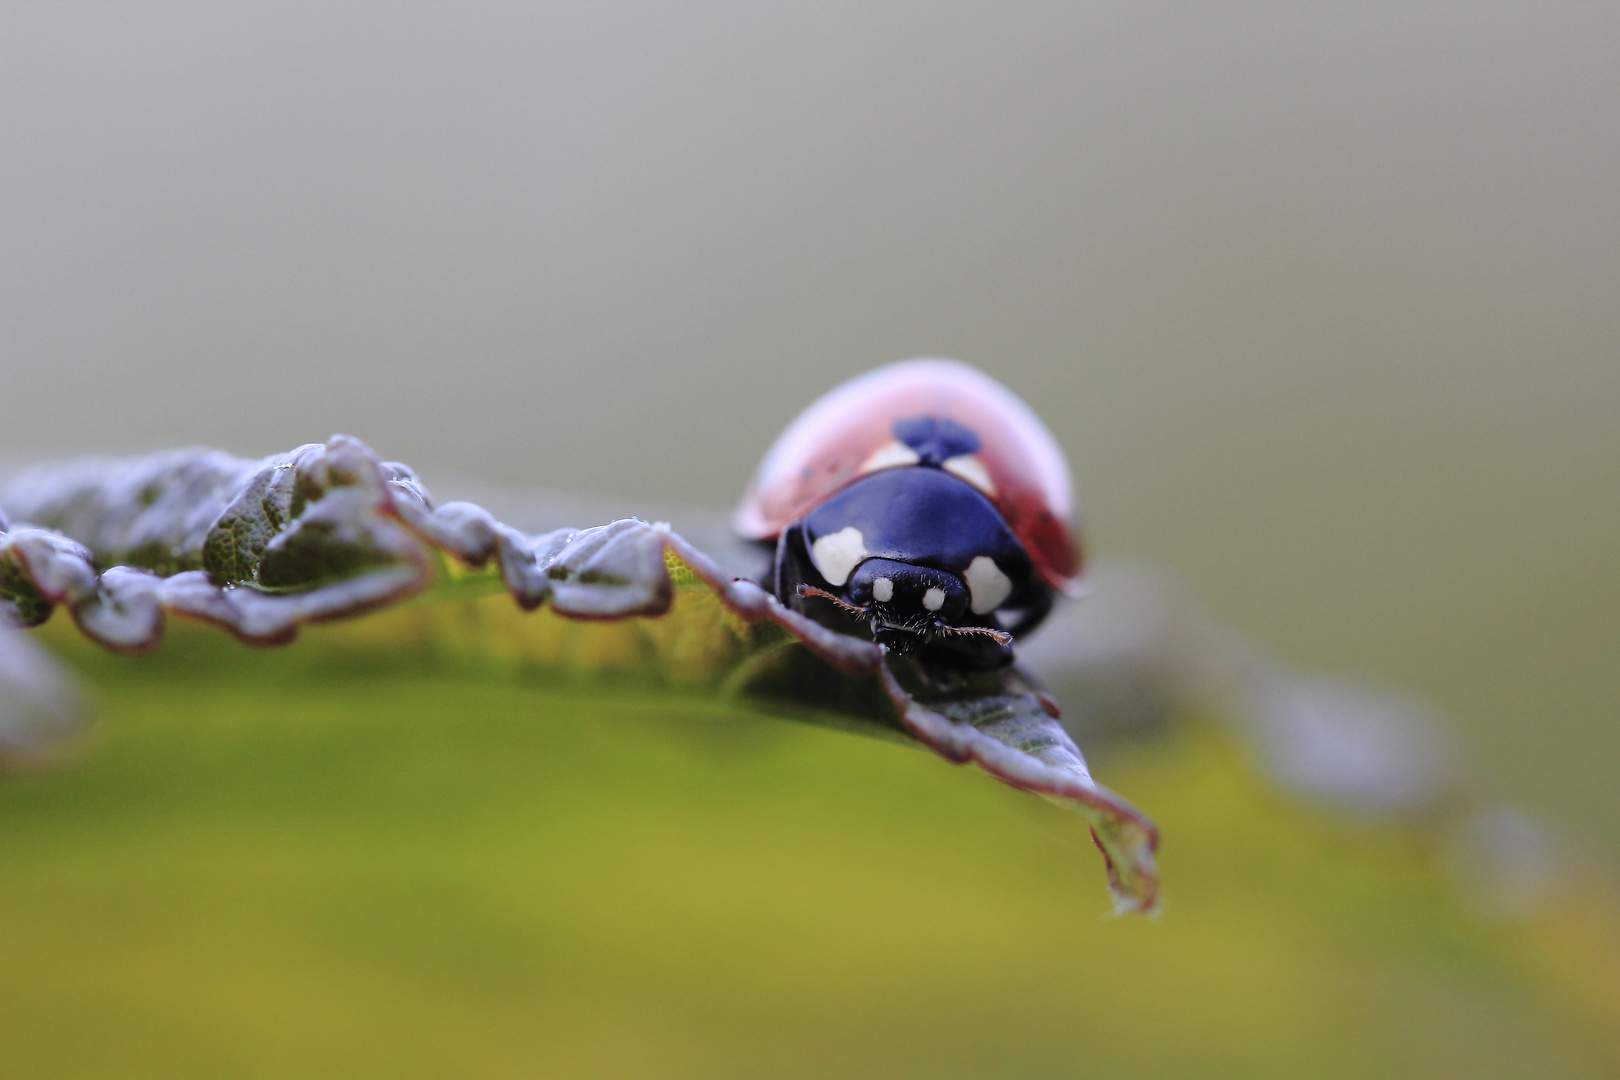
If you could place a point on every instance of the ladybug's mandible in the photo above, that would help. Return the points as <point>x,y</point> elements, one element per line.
<point>925,500</point>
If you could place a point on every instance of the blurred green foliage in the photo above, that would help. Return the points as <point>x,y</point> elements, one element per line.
<point>389,850</point>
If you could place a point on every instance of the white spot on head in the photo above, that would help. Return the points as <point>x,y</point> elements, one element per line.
<point>883,590</point>
<point>836,554</point>
<point>987,584</point>
<point>934,598</point>
<point>970,468</point>
<point>889,456</point>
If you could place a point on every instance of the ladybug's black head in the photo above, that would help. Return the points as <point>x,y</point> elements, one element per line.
<point>908,606</point>
<point>906,597</point>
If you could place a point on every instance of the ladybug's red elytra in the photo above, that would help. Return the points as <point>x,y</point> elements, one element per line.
<point>925,500</point>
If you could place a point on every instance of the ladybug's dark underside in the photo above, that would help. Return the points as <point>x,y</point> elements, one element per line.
<point>920,556</point>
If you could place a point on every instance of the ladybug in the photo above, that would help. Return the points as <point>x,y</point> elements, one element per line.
<point>924,500</point>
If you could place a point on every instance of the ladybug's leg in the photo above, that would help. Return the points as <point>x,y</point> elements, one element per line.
<point>792,568</point>
<point>777,563</point>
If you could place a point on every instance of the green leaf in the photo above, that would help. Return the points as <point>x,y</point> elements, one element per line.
<point>452,836</point>
<point>384,851</point>
<point>330,531</point>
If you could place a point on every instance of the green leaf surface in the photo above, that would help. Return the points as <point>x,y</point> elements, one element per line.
<point>370,854</point>
<point>447,835</point>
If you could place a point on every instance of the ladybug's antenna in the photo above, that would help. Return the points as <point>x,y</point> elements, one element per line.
<point>1000,637</point>
<point>849,609</point>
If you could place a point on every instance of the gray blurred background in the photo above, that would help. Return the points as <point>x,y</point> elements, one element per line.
<point>1322,301</point>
